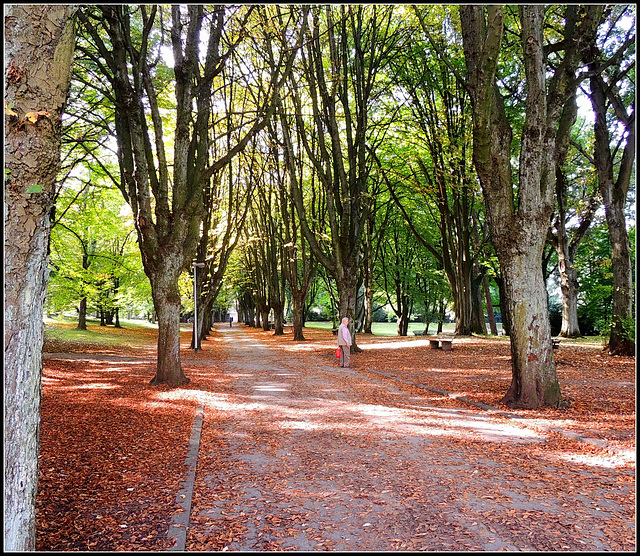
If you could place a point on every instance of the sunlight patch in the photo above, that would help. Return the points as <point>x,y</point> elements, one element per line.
<point>607,461</point>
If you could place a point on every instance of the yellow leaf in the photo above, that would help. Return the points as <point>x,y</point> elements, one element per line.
<point>33,116</point>
<point>9,111</point>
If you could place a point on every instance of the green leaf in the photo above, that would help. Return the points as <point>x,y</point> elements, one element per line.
<point>35,189</point>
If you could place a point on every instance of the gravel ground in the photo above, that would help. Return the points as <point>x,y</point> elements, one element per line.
<point>299,454</point>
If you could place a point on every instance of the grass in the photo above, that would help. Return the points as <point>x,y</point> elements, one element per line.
<point>389,328</point>
<point>132,333</point>
<point>136,332</point>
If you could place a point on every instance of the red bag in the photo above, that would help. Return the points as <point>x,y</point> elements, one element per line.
<point>338,353</point>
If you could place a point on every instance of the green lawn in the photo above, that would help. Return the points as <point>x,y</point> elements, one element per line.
<point>64,329</point>
<point>389,328</point>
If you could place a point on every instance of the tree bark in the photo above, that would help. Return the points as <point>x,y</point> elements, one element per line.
<point>166,300</point>
<point>38,56</point>
<point>534,379</point>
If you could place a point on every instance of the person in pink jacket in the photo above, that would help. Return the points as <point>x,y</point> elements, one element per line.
<point>344,341</point>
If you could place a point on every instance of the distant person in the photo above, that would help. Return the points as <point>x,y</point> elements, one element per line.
<point>230,321</point>
<point>344,341</point>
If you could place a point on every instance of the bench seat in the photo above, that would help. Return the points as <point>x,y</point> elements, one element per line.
<point>445,344</point>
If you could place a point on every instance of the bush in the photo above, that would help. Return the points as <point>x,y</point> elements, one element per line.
<point>555,316</point>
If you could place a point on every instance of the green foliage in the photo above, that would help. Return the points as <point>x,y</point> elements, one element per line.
<point>425,153</point>
<point>593,262</point>
<point>93,253</point>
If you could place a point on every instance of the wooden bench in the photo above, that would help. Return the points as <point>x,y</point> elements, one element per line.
<point>444,343</point>
<point>556,343</point>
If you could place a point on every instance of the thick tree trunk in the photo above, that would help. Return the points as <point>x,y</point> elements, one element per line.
<point>82,314</point>
<point>614,195</point>
<point>298,320</point>
<point>534,378</point>
<point>621,341</point>
<point>265,319</point>
<point>278,327</point>
<point>38,56</point>
<point>166,301</point>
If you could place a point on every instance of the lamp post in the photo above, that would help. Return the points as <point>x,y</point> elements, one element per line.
<point>195,307</point>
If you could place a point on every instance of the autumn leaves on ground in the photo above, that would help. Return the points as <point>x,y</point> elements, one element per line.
<point>113,447</point>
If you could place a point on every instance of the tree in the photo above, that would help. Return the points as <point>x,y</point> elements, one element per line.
<point>39,45</point>
<point>299,264</point>
<point>577,202</point>
<point>226,201</point>
<point>612,93</point>
<point>399,255</point>
<point>92,255</point>
<point>166,193</point>
<point>346,50</point>
<point>433,158</point>
<point>519,216</point>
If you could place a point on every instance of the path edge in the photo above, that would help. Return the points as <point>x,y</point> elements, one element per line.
<point>180,520</point>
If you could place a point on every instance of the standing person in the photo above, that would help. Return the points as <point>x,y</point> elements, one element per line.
<point>230,321</point>
<point>344,341</point>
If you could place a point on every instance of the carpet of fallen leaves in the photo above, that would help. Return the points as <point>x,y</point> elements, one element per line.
<point>113,447</point>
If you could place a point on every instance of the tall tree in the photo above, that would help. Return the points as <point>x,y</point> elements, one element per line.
<point>346,50</point>
<point>612,92</point>
<point>39,44</point>
<point>167,196</point>
<point>437,159</point>
<point>400,252</point>
<point>519,216</point>
<point>577,202</point>
<point>299,264</point>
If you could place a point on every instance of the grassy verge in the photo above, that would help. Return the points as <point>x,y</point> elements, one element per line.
<point>132,333</point>
<point>389,328</point>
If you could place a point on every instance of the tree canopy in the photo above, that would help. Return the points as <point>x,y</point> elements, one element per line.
<point>339,150</point>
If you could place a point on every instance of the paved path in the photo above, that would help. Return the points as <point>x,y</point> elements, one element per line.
<point>323,458</point>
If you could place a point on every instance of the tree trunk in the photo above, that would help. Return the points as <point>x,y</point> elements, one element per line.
<point>82,314</point>
<point>265,319</point>
<point>478,325</point>
<point>534,379</point>
<point>569,288</point>
<point>38,56</point>
<point>278,327</point>
<point>489,304</point>
<point>166,301</point>
<point>298,320</point>
<point>368,298</point>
